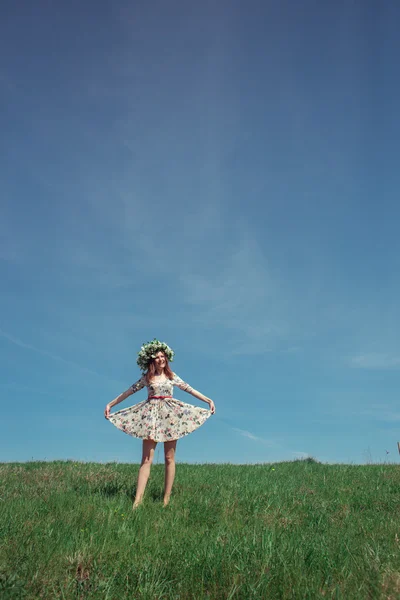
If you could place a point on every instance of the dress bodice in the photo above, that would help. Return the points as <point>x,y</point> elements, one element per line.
<point>161,387</point>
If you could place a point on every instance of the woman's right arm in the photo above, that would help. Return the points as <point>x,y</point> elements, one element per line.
<point>134,388</point>
<point>116,401</point>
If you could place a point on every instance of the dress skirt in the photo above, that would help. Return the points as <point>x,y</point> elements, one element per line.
<point>161,420</point>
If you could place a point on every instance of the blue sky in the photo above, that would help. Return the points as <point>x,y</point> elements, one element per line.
<point>221,176</point>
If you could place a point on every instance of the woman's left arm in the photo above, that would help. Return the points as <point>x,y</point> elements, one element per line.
<point>182,385</point>
<point>200,396</point>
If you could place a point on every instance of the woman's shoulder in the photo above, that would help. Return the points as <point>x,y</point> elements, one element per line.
<point>176,377</point>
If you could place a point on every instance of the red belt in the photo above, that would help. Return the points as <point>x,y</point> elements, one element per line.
<point>158,397</point>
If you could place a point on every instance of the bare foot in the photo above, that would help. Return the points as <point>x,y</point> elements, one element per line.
<point>136,505</point>
<point>166,501</point>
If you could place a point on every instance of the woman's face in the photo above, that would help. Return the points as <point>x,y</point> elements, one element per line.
<point>160,361</point>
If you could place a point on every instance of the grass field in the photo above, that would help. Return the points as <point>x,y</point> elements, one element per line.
<point>285,530</point>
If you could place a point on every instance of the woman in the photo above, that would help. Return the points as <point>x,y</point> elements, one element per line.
<point>160,418</point>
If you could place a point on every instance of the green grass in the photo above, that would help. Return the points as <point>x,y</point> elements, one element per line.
<point>287,530</point>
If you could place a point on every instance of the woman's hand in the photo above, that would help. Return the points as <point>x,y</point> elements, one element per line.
<point>107,411</point>
<point>212,407</point>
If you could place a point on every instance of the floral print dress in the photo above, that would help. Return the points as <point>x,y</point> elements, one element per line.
<point>161,417</point>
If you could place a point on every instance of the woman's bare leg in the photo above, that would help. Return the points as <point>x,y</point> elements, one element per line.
<point>169,453</point>
<point>147,458</point>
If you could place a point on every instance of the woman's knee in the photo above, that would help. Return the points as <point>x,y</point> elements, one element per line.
<point>149,447</point>
<point>169,459</point>
<point>147,460</point>
<point>169,452</point>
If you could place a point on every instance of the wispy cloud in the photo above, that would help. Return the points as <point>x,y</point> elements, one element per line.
<point>255,438</point>
<point>17,342</point>
<point>6,83</point>
<point>10,247</point>
<point>382,412</point>
<point>240,297</point>
<point>375,360</point>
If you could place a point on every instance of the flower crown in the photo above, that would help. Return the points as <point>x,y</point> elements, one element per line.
<point>149,351</point>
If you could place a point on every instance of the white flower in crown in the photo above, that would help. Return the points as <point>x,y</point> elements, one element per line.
<point>149,351</point>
